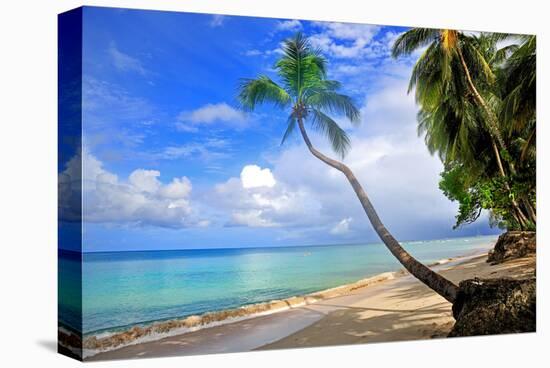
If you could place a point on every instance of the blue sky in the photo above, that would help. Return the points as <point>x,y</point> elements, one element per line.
<point>170,161</point>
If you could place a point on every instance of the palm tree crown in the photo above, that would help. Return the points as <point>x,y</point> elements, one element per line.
<point>305,91</point>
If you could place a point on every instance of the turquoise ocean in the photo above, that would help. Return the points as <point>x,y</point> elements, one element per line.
<point>123,289</point>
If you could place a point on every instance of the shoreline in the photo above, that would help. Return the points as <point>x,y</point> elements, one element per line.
<point>395,309</point>
<point>154,331</point>
<point>139,334</point>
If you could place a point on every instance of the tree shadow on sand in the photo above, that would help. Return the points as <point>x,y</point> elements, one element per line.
<point>365,324</point>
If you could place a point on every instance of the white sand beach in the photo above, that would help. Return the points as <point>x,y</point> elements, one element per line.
<point>390,308</point>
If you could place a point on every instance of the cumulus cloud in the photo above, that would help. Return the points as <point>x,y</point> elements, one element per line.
<point>178,188</point>
<point>252,176</point>
<point>220,113</point>
<point>140,200</point>
<point>257,199</point>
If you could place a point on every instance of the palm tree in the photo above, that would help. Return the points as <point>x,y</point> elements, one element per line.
<point>519,89</point>
<point>444,72</point>
<point>310,97</point>
<point>518,111</point>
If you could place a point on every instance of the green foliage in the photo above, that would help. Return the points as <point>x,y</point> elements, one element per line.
<point>463,131</point>
<point>338,138</point>
<point>475,193</point>
<point>455,186</point>
<point>257,91</point>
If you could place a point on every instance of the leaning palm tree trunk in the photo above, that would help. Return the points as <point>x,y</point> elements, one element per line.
<point>435,281</point>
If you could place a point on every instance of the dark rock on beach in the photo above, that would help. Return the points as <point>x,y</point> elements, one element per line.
<point>495,306</point>
<point>513,244</point>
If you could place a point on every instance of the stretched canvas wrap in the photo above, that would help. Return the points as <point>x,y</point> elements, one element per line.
<point>231,183</point>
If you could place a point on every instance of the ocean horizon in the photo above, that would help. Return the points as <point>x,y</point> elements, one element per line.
<point>123,289</point>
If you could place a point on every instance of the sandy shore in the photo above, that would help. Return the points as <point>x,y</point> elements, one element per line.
<point>390,309</point>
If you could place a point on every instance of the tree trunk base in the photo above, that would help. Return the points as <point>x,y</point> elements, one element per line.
<point>495,306</point>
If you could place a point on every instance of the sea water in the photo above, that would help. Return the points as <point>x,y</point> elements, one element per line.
<point>122,289</point>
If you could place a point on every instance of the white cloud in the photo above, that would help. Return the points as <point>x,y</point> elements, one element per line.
<point>350,31</point>
<point>253,52</point>
<point>105,103</point>
<point>208,150</point>
<point>289,25</point>
<point>257,199</point>
<point>345,40</point>
<point>220,113</point>
<point>351,69</point>
<point>140,200</point>
<point>178,188</point>
<point>341,227</point>
<point>125,62</point>
<point>252,176</point>
<point>266,53</point>
<point>215,112</point>
<point>145,180</point>
<point>389,38</point>
<point>217,20</point>
<point>250,218</point>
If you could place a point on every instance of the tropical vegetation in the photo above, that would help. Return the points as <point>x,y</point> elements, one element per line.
<point>477,100</point>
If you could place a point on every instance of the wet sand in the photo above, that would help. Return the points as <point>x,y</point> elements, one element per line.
<point>394,309</point>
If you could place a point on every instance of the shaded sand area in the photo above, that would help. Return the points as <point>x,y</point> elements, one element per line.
<point>392,309</point>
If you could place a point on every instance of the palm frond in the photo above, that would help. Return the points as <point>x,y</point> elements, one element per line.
<point>478,63</point>
<point>426,63</point>
<point>338,138</point>
<point>503,53</point>
<point>519,87</point>
<point>412,40</point>
<point>291,126</point>
<point>300,65</point>
<point>253,92</point>
<point>334,102</point>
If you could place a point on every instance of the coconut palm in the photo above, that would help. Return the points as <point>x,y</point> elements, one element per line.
<point>519,89</point>
<point>518,111</point>
<point>448,53</point>
<point>310,98</point>
<point>444,75</point>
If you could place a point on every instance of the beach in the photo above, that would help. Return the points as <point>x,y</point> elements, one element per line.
<point>388,307</point>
